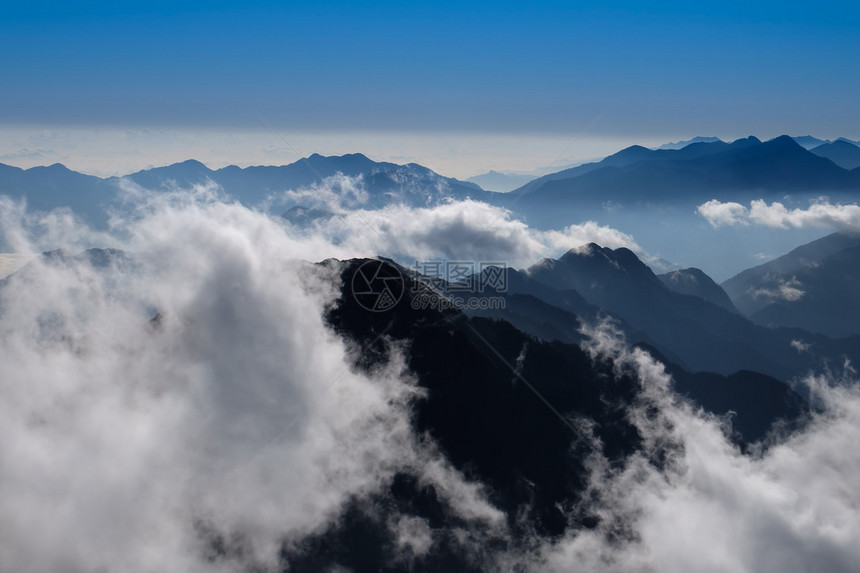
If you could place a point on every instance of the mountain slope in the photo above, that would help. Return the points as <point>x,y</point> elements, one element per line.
<point>749,289</point>
<point>830,299</point>
<point>702,335</point>
<point>695,282</point>
<point>814,287</point>
<point>841,152</point>
<point>637,153</point>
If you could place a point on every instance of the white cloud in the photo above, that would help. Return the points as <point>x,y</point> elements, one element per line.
<point>800,346</point>
<point>790,508</point>
<point>789,290</point>
<point>27,233</point>
<point>464,230</point>
<point>238,414</point>
<point>337,194</point>
<point>718,213</point>
<point>819,214</point>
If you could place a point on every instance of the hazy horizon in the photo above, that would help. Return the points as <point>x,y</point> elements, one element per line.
<point>107,152</point>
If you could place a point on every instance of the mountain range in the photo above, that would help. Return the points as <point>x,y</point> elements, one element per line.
<point>634,173</point>
<point>701,334</point>
<point>46,188</point>
<point>697,172</point>
<point>703,169</point>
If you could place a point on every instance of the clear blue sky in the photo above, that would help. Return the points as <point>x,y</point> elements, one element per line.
<point>643,72</point>
<point>650,67</point>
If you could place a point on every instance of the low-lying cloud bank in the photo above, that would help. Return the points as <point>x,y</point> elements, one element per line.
<point>465,230</point>
<point>820,214</point>
<point>444,229</point>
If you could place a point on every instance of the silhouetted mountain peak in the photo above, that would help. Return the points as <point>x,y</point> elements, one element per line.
<point>53,168</point>
<point>842,143</point>
<point>750,139</point>
<point>590,250</point>
<point>633,149</point>
<point>784,142</point>
<point>189,163</point>
<point>620,259</point>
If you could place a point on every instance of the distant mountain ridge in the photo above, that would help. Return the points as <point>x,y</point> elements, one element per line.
<point>252,185</point>
<point>500,182</point>
<point>809,142</point>
<point>697,171</point>
<point>47,188</point>
<point>704,168</point>
<point>685,143</point>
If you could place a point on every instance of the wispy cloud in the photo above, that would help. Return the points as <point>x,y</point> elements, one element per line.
<point>779,288</point>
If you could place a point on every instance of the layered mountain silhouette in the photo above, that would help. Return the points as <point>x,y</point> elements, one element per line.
<point>384,182</point>
<point>685,143</point>
<point>841,152</point>
<point>47,188</point>
<point>696,172</point>
<point>809,142</point>
<point>691,329</point>
<point>701,170</point>
<point>814,287</point>
<point>501,182</point>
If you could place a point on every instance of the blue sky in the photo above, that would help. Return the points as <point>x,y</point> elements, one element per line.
<point>632,71</point>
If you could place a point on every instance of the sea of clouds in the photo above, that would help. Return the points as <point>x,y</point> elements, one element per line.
<point>193,391</point>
